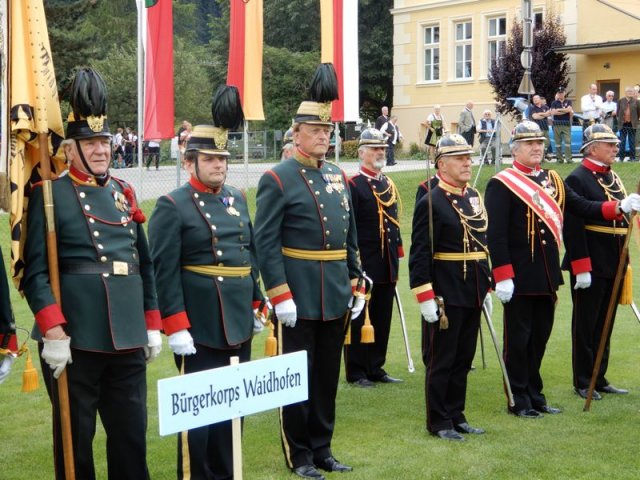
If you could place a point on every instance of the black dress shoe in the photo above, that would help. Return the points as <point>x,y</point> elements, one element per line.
<point>330,464</point>
<point>308,471</point>
<point>548,409</point>
<point>611,389</point>
<point>363,383</point>
<point>527,413</point>
<point>583,392</point>
<point>449,435</point>
<point>466,428</point>
<point>386,378</point>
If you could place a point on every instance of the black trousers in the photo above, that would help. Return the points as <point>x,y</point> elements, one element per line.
<point>206,453</point>
<point>589,311</point>
<point>115,386</point>
<point>366,360</point>
<point>528,320</point>
<point>447,356</point>
<point>307,427</point>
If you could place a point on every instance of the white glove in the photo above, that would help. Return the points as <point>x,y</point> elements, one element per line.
<point>57,353</point>
<point>504,290</point>
<point>287,313</point>
<point>488,304</point>
<point>429,310</point>
<point>357,306</point>
<point>154,347</point>
<point>257,323</point>
<point>631,202</point>
<point>181,343</point>
<point>5,366</point>
<point>583,280</point>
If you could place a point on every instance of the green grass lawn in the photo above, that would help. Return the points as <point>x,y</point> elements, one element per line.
<point>381,431</point>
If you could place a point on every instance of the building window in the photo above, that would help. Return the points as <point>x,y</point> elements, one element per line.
<point>497,40</point>
<point>463,50</point>
<point>431,53</point>
<point>538,20</point>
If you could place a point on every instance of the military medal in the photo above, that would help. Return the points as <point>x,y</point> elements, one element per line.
<point>329,187</point>
<point>345,203</point>
<point>120,201</point>
<point>231,210</point>
<point>475,204</point>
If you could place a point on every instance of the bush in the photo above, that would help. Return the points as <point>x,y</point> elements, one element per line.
<point>350,149</point>
<point>414,150</point>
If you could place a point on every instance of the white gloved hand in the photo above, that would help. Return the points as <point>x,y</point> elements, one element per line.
<point>357,306</point>
<point>5,366</point>
<point>154,347</point>
<point>631,202</point>
<point>287,313</point>
<point>57,353</point>
<point>488,304</point>
<point>181,343</point>
<point>504,290</point>
<point>257,323</point>
<point>429,310</point>
<point>583,280</point>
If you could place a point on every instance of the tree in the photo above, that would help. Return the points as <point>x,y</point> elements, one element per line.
<point>549,69</point>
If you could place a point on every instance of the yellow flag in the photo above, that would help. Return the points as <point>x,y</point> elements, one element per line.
<point>35,109</point>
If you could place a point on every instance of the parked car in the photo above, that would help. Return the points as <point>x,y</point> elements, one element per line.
<point>576,136</point>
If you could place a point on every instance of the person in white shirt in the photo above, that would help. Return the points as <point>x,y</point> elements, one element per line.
<point>609,110</point>
<point>591,104</point>
<point>392,134</point>
<point>485,128</point>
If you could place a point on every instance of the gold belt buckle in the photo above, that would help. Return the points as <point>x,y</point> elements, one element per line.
<point>120,268</point>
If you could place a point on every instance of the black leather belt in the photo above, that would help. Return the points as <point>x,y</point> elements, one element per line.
<point>112,268</point>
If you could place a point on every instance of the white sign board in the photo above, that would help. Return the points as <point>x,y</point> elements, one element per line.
<point>212,396</point>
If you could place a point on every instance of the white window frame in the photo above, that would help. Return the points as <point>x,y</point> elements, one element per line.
<point>432,47</point>
<point>498,39</point>
<point>466,44</point>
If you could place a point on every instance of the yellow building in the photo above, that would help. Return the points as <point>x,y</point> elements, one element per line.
<point>443,50</point>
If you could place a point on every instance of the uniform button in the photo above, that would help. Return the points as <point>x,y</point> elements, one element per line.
<point>87,207</point>
<point>388,229</point>
<point>310,182</point>
<point>241,237</point>
<point>544,242</point>
<point>208,215</point>
<point>96,234</point>
<point>91,220</point>
<point>303,171</point>
<point>327,246</point>
<point>539,221</point>
<point>344,245</point>
<point>196,195</point>
<point>134,255</point>
<point>324,219</point>
<point>386,220</point>
<point>220,279</point>
<point>455,202</point>
<point>103,259</point>
<point>131,231</point>
<point>317,193</point>
<point>105,275</point>
<point>214,228</point>
<point>219,253</point>
<point>345,230</point>
<point>241,224</point>
<point>542,230</point>
<point>322,205</point>
<point>82,194</point>
<point>201,203</point>
<point>344,217</point>
<point>124,222</point>
<point>241,248</point>
<point>221,264</point>
<point>100,246</point>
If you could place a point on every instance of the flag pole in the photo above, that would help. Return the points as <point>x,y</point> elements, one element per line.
<point>4,133</point>
<point>141,70</point>
<point>54,280</point>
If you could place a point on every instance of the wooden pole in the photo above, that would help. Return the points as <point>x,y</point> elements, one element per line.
<point>615,293</point>
<point>54,280</point>
<point>236,433</point>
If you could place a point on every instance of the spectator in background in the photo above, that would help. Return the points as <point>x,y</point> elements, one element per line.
<point>129,141</point>
<point>435,126</point>
<point>467,123</point>
<point>591,104</point>
<point>610,111</point>
<point>628,111</point>
<point>392,134</point>
<point>382,119</point>
<point>539,113</point>
<point>118,148</point>
<point>153,148</point>
<point>562,112</point>
<point>486,128</point>
<point>288,147</point>
<point>183,137</point>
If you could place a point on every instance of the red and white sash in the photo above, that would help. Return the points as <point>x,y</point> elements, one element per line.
<point>536,197</point>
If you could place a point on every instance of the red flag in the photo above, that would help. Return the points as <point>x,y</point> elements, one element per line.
<point>245,55</point>
<point>158,95</point>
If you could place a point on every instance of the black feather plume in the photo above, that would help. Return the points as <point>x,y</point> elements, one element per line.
<point>324,85</point>
<point>88,94</point>
<point>227,108</point>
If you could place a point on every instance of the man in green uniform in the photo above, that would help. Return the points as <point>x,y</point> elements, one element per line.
<point>307,251</point>
<point>202,247</point>
<point>108,322</point>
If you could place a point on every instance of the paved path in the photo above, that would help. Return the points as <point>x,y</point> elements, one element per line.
<point>153,183</point>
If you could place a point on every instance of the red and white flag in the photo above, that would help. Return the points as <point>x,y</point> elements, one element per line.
<point>339,23</point>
